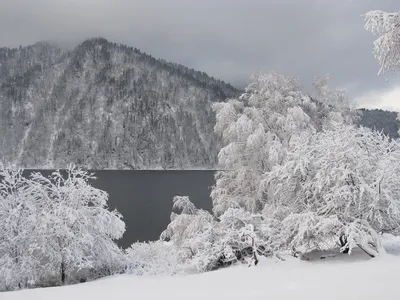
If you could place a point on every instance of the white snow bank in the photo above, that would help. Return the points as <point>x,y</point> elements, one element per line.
<point>340,277</point>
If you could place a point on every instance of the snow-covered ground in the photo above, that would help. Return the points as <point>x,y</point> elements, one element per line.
<point>335,277</point>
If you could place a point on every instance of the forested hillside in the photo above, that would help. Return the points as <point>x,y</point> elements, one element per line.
<point>380,120</point>
<point>103,105</point>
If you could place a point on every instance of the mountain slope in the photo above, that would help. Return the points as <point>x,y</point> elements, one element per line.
<point>381,120</point>
<point>104,105</point>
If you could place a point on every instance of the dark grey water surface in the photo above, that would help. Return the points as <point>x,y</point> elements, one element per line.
<point>144,198</point>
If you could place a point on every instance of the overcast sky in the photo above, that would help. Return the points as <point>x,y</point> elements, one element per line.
<point>229,39</point>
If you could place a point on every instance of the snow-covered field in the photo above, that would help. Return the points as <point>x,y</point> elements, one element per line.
<point>335,277</point>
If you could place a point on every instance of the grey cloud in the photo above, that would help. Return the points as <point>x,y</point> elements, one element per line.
<point>229,39</point>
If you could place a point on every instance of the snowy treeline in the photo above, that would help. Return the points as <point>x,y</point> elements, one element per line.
<point>298,176</point>
<point>55,230</point>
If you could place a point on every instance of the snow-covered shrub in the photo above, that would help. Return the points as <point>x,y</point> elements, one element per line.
<point>207,243</point>
<point>153,258</point>
<point>360,234</point>
<point>188,228</point>
<point>305,232</point>
<point>342,182</point>
<point>55,230</point>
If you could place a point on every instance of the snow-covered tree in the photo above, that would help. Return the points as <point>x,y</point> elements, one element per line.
<point>80,230</point>
<point>187,224</point>
<point>256,129</point>
<point>55,229</point>
<point>295,175</point>
<point>334,105</point>
<point>387,45</point>
<point>259,128</point>
<point>22,261</point>
<point>341,185</point>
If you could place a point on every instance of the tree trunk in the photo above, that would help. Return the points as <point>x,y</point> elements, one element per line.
<point>62,273</point>
<point>343,242</point>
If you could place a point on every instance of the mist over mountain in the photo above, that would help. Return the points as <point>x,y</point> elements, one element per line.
<point>103,105</point>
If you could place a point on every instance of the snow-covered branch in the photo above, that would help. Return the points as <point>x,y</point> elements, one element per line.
<point>387,45</point>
